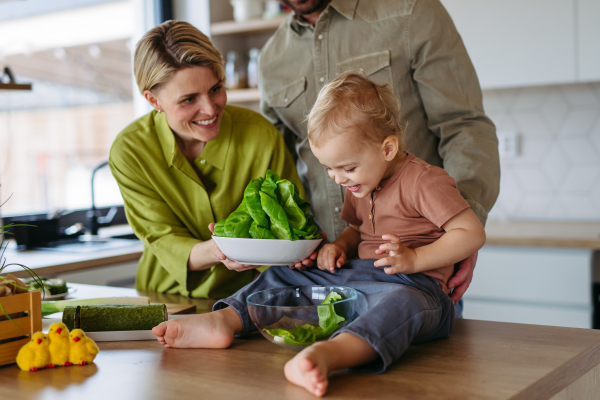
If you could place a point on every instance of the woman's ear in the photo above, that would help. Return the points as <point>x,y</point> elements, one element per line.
<point>151,98</point>
<point>390,147</point>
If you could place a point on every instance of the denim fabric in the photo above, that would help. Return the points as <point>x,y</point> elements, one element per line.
<point>393,310</point>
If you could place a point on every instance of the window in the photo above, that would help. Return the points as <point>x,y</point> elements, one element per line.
<point>77,55</point>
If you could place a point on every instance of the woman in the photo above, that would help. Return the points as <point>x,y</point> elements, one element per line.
<point>186,164</point>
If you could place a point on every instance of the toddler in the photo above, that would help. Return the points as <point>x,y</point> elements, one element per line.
<point>408,225</point>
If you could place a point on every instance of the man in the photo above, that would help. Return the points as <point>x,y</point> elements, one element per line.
<point>414,47</point>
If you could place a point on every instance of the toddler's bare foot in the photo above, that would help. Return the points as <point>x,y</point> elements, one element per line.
<point>309,369</point>
<point>212,330</point>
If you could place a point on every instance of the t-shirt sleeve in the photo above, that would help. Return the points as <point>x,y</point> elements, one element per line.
<point>349,210</point>
<point>436,196</point>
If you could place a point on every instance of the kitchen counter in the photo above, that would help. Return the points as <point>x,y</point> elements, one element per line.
<point>490,360</point>
<point>92,291</point>
<point>560,234</point>
<point>64,259</point>
<point>482,359</point>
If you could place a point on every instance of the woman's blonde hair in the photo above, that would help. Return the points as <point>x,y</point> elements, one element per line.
<point>353,101</point>
<point>170,47</point>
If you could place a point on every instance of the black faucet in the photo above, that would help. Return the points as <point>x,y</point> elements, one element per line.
<point>97,221</point>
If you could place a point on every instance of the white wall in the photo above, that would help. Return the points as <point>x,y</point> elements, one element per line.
<point>557,175</point>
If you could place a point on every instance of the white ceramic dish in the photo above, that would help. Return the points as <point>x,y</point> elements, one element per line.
<point>60,296</point>
<point>266,251</point>
<point>112,336</point>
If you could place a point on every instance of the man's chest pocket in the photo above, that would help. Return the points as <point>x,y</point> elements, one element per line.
<point>289,103</point>
<point>375,65</point>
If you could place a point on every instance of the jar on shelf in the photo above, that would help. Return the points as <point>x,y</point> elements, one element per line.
<point>236,76</point>
<point>244,10</point>
<point>253,68</point>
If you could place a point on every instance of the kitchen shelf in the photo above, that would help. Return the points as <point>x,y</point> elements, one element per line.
<point>15,86</point>
<point>242,95</point>
<point>250,26</point>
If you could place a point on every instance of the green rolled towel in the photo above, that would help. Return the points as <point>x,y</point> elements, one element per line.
<point>114,317</point>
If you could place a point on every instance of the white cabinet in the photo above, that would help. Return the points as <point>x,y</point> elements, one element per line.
<point>119,275</point>
<point>588,15</point>
<point>516,42</point>
<point>532,285</point>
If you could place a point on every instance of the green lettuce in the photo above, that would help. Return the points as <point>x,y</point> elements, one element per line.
<point>307,334</point>
<point>271,209</point>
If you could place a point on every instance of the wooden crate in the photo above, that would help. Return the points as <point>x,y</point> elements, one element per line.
<point>30,301</point>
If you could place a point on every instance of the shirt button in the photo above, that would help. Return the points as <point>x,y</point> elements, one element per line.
<point>203,161</point>
<point>370,201</point>
<point>285,100</point>
<point>321,79</point>
<point>337,209</point>
<point>370,216</point>
<point>320,37</point>
<point>361,69</point>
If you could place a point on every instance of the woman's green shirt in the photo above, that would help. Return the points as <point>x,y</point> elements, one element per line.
<point>169,207</point>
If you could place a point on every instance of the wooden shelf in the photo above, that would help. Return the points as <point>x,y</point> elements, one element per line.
<point>15,86</point>
<point>250,26</point>
<point>243,95</point>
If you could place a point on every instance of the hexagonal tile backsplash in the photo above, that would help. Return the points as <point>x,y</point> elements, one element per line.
<point>556,175</point>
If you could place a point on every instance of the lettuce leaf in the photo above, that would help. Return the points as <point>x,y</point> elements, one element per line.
<point>258,232</point>
<point>307,334</point>
<point>328,319</point>
<point>253,204</point>
<point>271,209</point>
<point>280,227</point>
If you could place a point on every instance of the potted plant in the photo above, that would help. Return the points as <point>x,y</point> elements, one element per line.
<point>20,309</point>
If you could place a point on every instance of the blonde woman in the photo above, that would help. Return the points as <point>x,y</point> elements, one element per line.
<point>186,164</point>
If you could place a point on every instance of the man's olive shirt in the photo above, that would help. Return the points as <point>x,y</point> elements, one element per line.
<point>411,45</point>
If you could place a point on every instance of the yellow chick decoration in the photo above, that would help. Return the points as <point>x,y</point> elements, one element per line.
<point>83,350</point>
<point>35,354</point>
<point>58,334</point>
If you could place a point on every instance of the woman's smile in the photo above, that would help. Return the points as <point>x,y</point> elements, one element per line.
<point>207,123</point>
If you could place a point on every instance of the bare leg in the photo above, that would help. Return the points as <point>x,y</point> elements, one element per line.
<point>211,330</point>
<point>310,367</point>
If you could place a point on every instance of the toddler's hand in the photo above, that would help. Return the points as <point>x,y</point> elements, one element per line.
<point>401,259</point>
<point>331,256</point>
<point>308,262</point>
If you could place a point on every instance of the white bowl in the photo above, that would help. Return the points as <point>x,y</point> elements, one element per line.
<point>266,251</point>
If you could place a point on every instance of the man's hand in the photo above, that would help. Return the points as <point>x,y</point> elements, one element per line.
<point>401,259</point>
<point>230,264</point>
<point>310,261</point>
<point>331,256</point>
<point>462,279</point>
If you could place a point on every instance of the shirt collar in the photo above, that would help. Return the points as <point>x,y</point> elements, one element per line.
<point>396,175</point>
<point>215,152</point>
<point>346,8</point>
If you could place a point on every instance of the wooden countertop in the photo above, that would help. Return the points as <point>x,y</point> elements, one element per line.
<point>482,360</point>
<point>579,235</point>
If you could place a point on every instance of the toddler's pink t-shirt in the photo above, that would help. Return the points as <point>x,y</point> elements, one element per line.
<point>413,204</point>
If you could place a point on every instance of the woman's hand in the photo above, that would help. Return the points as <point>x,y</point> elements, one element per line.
<point>330,256</point>
<point>230,264</point>
<point>401,259</point>
<point>310,261</point>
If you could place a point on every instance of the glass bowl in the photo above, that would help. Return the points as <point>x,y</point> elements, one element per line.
<point>293,317</point>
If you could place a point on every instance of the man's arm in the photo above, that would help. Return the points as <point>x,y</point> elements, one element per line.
<point>452,100</point>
